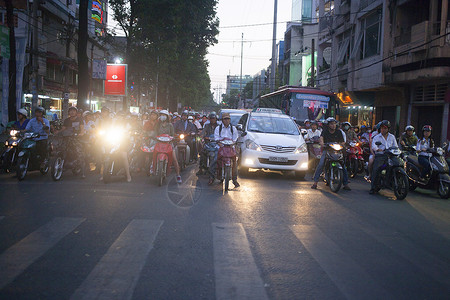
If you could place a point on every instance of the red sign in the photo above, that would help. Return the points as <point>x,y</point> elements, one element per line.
<point>116,80</point>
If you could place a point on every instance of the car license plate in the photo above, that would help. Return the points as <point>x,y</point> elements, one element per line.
<point>278,159</point>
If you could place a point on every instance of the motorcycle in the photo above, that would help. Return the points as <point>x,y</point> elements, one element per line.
<point>314,151</point>
<point>391,174</point>
<point>365,145</point>
<point>333,168</point>
<point>28,159</point>
<point>226,158</point>
<point>355,160</point>
<point>112,139</point>
<point>182,151</point>
<point>211,148</point>
<point>136,144</point>
<point>67,157</point>
<point>438,178</point>
<point>162,158</point>
<point>8,158</point>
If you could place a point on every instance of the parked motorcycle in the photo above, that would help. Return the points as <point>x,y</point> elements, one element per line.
<point>355,160</point>
<point>226,158</point>
<point>333,168</point>
<point>28,158</point>
<point>8,158</point>
<point>437,179</point>
<point>392,174</point>
<point>67,156</point>
<point>162,158</point>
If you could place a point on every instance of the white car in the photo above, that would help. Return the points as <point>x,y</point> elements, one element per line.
<point>271,141</point>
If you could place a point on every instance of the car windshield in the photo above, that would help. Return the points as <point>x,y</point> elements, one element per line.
<point>235,118</point>
<point>272,124</point>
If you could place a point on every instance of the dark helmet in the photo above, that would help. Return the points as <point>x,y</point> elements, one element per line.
<point>212,116</point>
<point>363,127</point>
<point>185,113</point>
<point>385,123</point>
<point>40,108</point>
<point>378,126</point>
<point>427,128</point>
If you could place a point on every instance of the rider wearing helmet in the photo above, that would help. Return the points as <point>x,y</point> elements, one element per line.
<point>207,132</point>
<point>408,138</point>
<point>164,126</point>
<point>422,146</point>
<point>22,120</point>
<point>387,141</point>
<point>313,132</point>
<point>185,127</point>
<point>40,125</point>
<point>350,134</point>
<point>330,134</point>
<point>307,123</point>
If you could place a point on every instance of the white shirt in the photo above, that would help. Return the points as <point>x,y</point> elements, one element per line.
<point>423,144</point>
<point>197,124</point>
<point>226,133</point>
<point>385,143</point>
<point>344,135</point>
<point>312,134</point>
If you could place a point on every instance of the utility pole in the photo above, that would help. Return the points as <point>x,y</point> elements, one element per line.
<point>274,49</point>
<point>12,62</point>
<point>240,83</point>
<point>83,67</point>
<point>65,104</point>
<point>157,82</point>
<point>313,66</point>
<point>35,64</point>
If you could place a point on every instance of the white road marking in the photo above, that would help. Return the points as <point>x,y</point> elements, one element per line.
<point>349,277</point>
<point>236,274</point>
<point>22,254</point>
<point>117,273</point>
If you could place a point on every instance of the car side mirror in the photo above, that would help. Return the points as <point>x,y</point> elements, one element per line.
<point>243,134</point>
<point>378,143</point>
<point>239,127</point>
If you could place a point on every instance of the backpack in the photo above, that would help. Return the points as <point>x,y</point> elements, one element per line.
<point>220,130</point>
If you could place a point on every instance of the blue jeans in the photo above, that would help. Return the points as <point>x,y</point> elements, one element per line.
<point>320,168</point>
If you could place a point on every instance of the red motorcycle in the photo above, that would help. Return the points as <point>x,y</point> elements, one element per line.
<point>226,160</point>
<point>355,160</point>
<point>162,157</point>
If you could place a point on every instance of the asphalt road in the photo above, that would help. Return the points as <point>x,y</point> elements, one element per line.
<point>272,238</point>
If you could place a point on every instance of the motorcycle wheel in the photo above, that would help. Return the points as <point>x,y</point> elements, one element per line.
<point>182,160</point>
<point>401,185</point>
<point>336,176</point>
<point>107,172</point>
<point>227,177</point>
<point>22,167</point>
<point>45,169</point>
<point>57,168</point>
<point>444,190</point>
<point>160,175</point>
<point>353,168</point>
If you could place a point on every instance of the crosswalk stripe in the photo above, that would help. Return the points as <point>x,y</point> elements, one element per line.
<point>428,263</point>
<point>117,273</point>
<point>348,276</point>
<point>236,274</point>
<point>21,255</point>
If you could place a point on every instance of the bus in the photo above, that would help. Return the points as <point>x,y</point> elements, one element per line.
<point>302,102</point>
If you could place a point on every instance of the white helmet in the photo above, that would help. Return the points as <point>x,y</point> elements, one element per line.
<point>164,112</point>
<point>190,118</point>
<point>22,111</point>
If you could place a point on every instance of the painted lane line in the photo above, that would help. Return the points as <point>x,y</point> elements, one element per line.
<point>117,273</point>
<point>22,254</point>
<point>349,277</point>
<point>236,274</point>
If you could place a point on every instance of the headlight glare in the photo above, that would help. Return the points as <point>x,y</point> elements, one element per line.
<point>252,145</point>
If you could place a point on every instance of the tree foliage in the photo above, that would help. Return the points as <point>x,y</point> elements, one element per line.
<point>170,38</point>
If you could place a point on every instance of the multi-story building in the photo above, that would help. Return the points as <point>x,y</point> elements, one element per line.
<point>234,82</point>
<point>387,60</point>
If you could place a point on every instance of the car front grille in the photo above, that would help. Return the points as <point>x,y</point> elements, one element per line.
<point>276,149</point>
<point>279,163</point>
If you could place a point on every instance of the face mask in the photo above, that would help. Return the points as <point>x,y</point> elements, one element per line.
<point>190,121</point>
<point>163,118</point>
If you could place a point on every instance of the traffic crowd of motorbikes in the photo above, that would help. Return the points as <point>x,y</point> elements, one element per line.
<point>121,144</point>
<point>339,152</point>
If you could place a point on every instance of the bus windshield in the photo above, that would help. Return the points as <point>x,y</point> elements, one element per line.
<point>308,106</point>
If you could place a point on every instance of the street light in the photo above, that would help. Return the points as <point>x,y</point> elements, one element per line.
<point>118,60</point>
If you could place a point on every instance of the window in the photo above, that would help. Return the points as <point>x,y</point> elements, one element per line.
<point>371,35</point>
<point>345,42</point>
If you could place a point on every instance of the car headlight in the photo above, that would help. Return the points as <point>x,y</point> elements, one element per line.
<point>301,149</point>
<point>252,145</point>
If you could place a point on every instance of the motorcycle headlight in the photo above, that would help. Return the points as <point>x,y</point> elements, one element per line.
<point>336,147</point>
<point>252,145</point>
<point>13,132</point>
<point>14,143</point>
<point>6,143</point>
<point>301,149</point>
<point>440,151</point>
<point>113,135</point>
<point>181,136</point>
